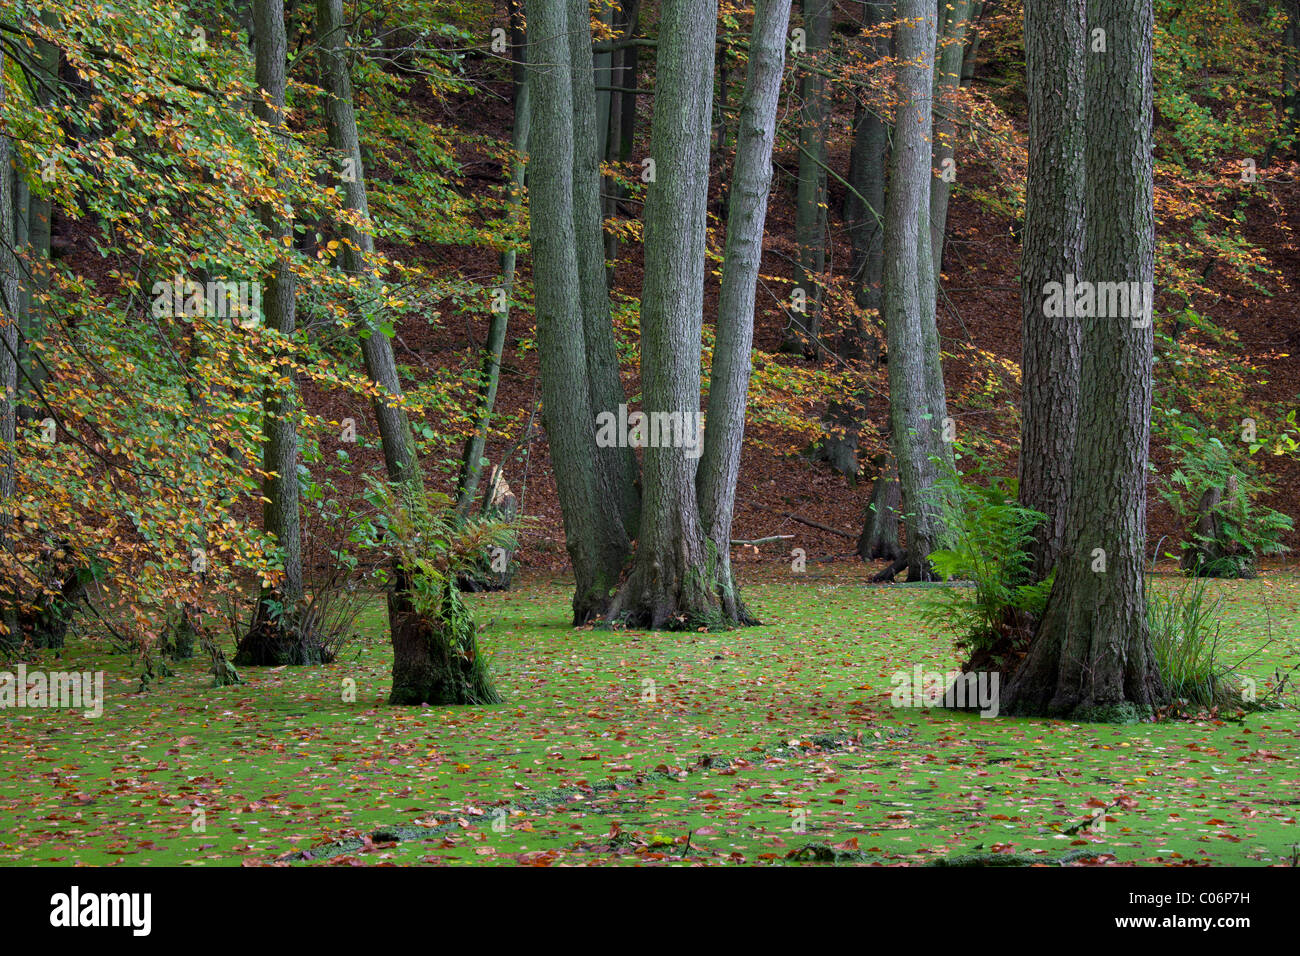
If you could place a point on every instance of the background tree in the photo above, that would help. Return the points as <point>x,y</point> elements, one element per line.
<point>953,33</point>
<point>804,332</point>
<point>276,635</point>
<point>864,203</point>
<point>472,456</point>
<point>917,402</point>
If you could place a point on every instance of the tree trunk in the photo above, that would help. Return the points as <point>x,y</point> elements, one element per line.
<point>804,331</point>
<point>276,635</point>
<point>10,590</point>
<point>1055,43</point>
<point>40,213</point>
<point>867,174</point>
<point>1291,72</point>
<point>1091,658</point>
<point>421,646</point>
<point>1210,551</point>
<point>751,179</point>
<point>597,558</point>
<point>621,118</point>
<point>616,467</point>
<point>917,402</point>
<point>956,23</point>
<point>971,56</point>
<point>672,583</point>
<point>879,538</point>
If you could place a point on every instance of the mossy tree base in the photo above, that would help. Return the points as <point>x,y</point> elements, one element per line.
<point>278,640</point>
<point>436,660</point>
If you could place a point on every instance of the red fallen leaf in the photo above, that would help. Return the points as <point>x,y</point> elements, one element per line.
<point>1094,802</point>
<point>1078,843</point>
<point>590,757</point>
<point>706,831</point>
<point>999,816</point>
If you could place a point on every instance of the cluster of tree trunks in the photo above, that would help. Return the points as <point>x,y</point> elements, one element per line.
<point>676,506</point>
<point>918,404</point>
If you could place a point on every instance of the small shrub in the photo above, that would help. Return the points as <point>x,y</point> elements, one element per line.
<point>1216,499</point>
<point>1185,637</point>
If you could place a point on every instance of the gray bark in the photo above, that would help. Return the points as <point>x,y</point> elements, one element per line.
<point>917,402</point>
<point>377,351</point>
<point>671,583</point>
<point>616,468</point>
<point>751,179</point>
<point>1055,43</point>
<point>867,175</point>
<point>1091,657</point>
<point>956,24</point>
<point>561,342</point>
<point>804,332</point>
<point>879,538</point>
<point>9,318</point>
<point>273,639</point>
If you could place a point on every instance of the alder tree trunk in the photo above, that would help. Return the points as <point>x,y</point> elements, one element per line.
<point>917,403</point>
<point>673,578</point>
<point>422,644</point>
<point>1091,658</point>
<point>879,538</point>
<point>596,551</point>
<point>616,467</point>
<point>276,635</point>
<point>751,179</point>
<point>1055,43</point>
